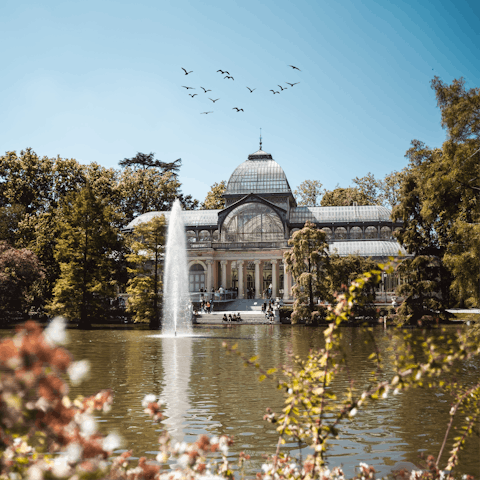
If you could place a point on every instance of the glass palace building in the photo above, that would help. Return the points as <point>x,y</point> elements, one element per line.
<point>241,246</point>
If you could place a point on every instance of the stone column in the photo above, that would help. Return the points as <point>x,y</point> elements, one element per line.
<point>240,278</point>
<point>258,283</point>
<point>209,275</point>
<point>287,284</point>
<point>274,279</point>
<point>223,281</point>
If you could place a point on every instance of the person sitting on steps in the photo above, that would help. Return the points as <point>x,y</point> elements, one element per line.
<point>224,319</point>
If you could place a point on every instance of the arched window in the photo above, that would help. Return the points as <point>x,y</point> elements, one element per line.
<point>371,232</point>
<point>355,233</point>
<point>215,236</point>
<point>385,232</point>
<point>196,277</point>
<point>191,237</point>
<point>204,236</point>
<point>252,222</point>
<point>341,233</point>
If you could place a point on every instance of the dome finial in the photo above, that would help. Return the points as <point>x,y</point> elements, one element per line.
<point>260,138</point>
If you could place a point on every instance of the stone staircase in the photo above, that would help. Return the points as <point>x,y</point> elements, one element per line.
<point>250,310</point>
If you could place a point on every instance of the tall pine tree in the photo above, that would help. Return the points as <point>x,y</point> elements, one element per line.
<point>86,253</point>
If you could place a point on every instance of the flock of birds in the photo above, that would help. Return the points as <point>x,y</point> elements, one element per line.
<point>230,77</point>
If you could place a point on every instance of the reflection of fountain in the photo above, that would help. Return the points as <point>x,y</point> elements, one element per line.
<point>176,359</point>
<point>176,300</point>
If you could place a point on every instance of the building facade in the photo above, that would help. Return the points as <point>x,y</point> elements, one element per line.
<point>241,246</point>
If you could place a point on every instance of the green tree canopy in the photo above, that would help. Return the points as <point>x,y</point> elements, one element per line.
<point>309,193</point>
<point>86,254</point>
<point>144,286</point>
<point>214,199</point>
<point>308,261</point>
<point>440,194</point>
<point>144,161</point>
<point>341,197</point>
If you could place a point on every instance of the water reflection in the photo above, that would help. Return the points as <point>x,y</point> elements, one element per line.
<point>176,361</point>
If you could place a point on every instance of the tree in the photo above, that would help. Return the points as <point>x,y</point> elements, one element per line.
<point>440,195</point>
<point>85,252</point>
<point>308,261</point>
<point>214,199</point>
<point>10,217</point>
<point>20,272</point>
<point>309,193</point>
<point>370,187</point>
<point>390,188</point>
<point>345,269</point>
<point>341,197</point>
<point>420,289</point>
<point>144,161</point>
<point>147,246</point>
<point>25,180</point>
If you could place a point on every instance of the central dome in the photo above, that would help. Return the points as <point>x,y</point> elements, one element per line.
<point>259,174</point>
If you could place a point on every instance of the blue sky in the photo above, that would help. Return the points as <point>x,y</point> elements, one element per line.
<point>100,80</point>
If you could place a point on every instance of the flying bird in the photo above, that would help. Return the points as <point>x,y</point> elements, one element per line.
<point>186,73</point>
<point>206,113</point>
<point>251,89</point>
<point>282,88</point>
<point>237,109</point>
<point>188,88</point>
<point>192,95</point>
<point>221,71</point>
<point>292,84</point>
<point>205,90</point>
<point>213,99</point>
<point>229,77</point>
<point>295,68</point>
<point>274,92</point>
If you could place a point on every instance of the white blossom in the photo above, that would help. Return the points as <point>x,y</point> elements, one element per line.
<point>60,466</point>
<point>180,447</point>
<point>55,333</point>
<point>35,473</point>
<point>88,425</point>
<point>78,370</point>
<point>111,442</point>
<point>74,452</point>
<point>352,412</point>
<point>150,398</point>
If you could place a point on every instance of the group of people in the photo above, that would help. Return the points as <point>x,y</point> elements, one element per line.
<point>230,318</point>
<point>267,309</point>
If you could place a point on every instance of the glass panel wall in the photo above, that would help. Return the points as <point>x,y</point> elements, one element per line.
<point>252,222</point>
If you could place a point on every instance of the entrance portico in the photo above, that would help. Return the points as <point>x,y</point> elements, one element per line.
<point>231,273</point>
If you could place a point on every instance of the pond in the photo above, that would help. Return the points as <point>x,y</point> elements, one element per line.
<point>206,390</point>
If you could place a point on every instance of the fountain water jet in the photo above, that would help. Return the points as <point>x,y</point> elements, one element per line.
<point>177,310</point>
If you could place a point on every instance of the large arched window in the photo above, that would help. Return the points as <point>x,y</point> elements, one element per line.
<point>252,222</point>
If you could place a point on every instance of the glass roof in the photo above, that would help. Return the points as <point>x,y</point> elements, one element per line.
<point>368,248</point>
<point>190,217</point>
<point>259,174</point>
<point>364,213</point>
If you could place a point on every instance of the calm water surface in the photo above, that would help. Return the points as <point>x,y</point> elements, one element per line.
<point>205,390</point>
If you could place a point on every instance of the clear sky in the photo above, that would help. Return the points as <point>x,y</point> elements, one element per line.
<point>100,80</point>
